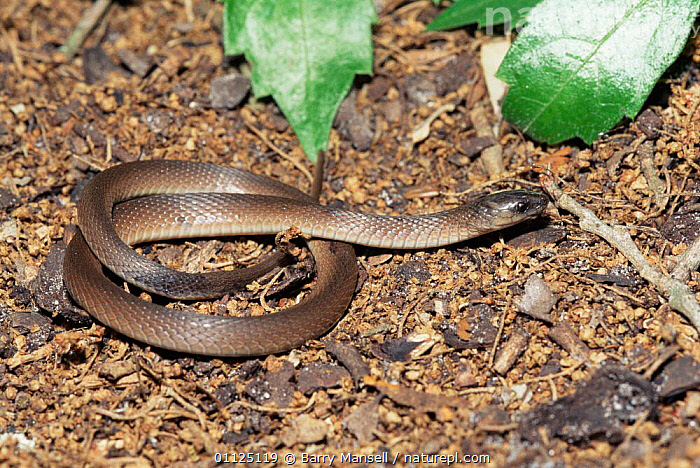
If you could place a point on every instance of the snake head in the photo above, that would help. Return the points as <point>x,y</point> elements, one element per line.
<point>504,209</point>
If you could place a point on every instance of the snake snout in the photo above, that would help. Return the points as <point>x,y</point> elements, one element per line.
<point>514,206</point>
<point>529,204</point>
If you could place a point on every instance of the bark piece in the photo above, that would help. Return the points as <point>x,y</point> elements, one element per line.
<point>601,407</point>
<point>511,351</point>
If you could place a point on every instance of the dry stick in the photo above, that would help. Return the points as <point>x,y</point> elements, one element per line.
<point>172,392</point>
<point>646,156</point>
<point>90,18</point>
<point>497,340</point>
<point>277,150</point>
<point>512,349</point>
<point>263,298</point>
<point>12,45</point>
<point>630,433</point>
<point>688,261</point>
<point>269,409</point>
<point>419,300</point>
<point>680,297</point>
<point>663,356</point>
<point>150,405</point>
<point>489,184</point>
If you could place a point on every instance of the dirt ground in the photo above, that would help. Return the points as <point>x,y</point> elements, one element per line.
<point>438,353</point>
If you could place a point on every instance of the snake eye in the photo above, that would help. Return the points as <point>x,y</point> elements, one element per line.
<point>521,207</point>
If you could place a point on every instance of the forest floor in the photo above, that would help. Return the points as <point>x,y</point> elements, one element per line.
<point>436,354</point>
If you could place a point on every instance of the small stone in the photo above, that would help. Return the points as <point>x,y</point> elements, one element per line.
<point>352,183</point>
<point>649,123</point>
<point>8,229</point>
<point>306,430</point>
<point>363,421</point>
<point>106,103</point>
<point>538,299</point>
<point>116,370</point>
<point>130,60</point>
<point>228,91</point>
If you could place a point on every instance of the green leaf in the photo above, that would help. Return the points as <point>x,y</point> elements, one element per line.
<point>305,53</point>
<point>484,13</point>
<point>579,66</point>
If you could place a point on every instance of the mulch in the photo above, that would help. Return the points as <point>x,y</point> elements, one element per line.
<point>438,352</point>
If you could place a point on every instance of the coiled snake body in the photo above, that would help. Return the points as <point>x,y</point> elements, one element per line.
<point>165,199</point>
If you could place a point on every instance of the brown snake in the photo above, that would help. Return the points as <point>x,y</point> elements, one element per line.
<point>146,201</point>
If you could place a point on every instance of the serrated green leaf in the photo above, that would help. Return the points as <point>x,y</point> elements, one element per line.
<point>579,66</point>
<point>484,13</point>
<point>305,54</point>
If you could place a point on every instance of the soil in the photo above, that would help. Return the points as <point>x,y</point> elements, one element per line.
<point>537,345</point>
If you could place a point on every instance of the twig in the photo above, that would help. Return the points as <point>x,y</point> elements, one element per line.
<point>628,437</point>
<point>150,405</point>
<point>398,52</point>
<point>269,409</point>
<point>497,340</point>
<point>661,189</point>
<point>92,360</point>
<point>691,112</point>
<point>12,45</point>
<point>485,185</point>
<point>422,130</point>
<point>90,18</point>
<point>511,351</point>
<point>263,299</point>
<point>172,392</point>
<point>497,427</point>
<point>277,150</point>
<point>219,406</point>
<point>189,11</point>
<point>614,289</point>
<point>93,164</point>
<point>564,373</point>
<point>680,297</point>
<point>409,311</point>
<point>664,355</point>
<point>470,391</point>
<point>688,261</point>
